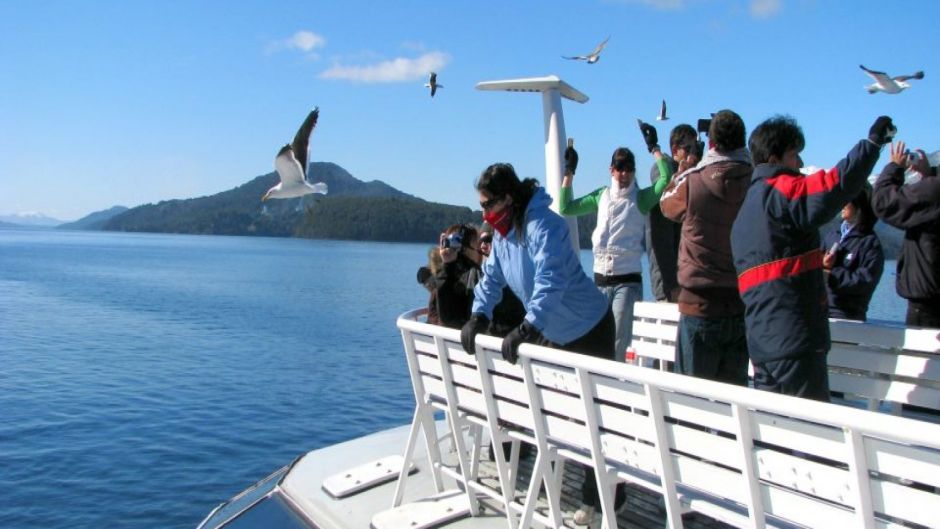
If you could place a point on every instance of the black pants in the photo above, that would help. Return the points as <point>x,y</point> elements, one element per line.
<point>923,313</point>
<point>806,376</point>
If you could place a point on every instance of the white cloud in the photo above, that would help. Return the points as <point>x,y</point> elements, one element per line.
<point>304,41</point>
<point>765,8</point>
<point>395,70</point>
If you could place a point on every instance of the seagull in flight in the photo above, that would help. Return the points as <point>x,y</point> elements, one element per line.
<point>432,83</point>
<point>291,165</point>
<point>662,112</point>
<point>889,85</point>
<point>592,57</point>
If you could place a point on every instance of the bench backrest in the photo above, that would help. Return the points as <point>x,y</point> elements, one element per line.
<point>876,362</point>
<point>745,457</point>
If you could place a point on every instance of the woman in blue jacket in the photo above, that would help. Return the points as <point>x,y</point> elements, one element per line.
<point>854,260</point>
<point>533,254</point>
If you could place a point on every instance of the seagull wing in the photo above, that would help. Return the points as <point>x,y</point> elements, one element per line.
<point>662,110</point>
<point>600,47</point>
<point>432,79</point>
<point>302,140</point>
<point>879,77</point>
<point>288,168</point>
<point>575,58</point>
<point>915,75</point>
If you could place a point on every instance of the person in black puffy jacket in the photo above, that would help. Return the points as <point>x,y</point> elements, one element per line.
<point>854,260</point>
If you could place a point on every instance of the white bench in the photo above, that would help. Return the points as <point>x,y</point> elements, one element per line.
<point>870,362</point>
<point>745,457</point>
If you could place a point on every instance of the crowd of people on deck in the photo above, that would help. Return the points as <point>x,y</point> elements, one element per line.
<point>731,230</point>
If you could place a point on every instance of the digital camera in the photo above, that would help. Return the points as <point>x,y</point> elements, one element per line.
<point>454,240</point>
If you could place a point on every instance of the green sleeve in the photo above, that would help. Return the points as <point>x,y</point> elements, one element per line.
<point>648,197</point>
<point>580,206</point>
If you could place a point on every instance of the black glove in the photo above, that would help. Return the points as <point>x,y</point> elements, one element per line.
<point>882,131</point>
<point>523,333</point>
<point>649,135</point>
<point>571,160</point>
<point>468,334</point>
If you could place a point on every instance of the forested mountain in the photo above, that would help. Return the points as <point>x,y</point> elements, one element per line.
<point>353,209</point>
<point>93,221</point>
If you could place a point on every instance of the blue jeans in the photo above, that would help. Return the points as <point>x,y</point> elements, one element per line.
<point>713,348</point>
<point>620,298</point>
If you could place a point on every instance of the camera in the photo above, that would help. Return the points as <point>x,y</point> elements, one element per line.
<point>912,156</point>
<point>454,241</point>
<point>699,149</point>
<point>704,125</point>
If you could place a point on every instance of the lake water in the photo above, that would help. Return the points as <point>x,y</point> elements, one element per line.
<point>145,378</point>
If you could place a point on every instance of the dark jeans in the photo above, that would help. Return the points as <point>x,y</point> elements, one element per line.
<point>805,376</point>
<point>923,313</point>
<point>713,348</point>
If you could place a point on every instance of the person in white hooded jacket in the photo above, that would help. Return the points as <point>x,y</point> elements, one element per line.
<point>619,238</point>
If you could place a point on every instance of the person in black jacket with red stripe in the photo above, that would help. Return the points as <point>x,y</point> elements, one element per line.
<point>854,260</point>
<point>915,208</point>
<point>777,256</point>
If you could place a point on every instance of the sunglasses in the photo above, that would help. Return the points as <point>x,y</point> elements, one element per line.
<point>487,204</point>
<point>486,239</point>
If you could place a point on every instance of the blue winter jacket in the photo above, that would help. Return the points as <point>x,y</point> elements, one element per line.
<point>544,271</point>
<point>776,248</point>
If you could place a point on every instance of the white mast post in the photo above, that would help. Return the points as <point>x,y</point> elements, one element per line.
<point>552,89</point>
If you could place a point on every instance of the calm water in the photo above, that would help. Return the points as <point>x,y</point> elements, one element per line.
<point>145,378</point>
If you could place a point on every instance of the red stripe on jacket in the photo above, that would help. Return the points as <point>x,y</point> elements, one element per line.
<point>796,186</point>
<point>779,269</point>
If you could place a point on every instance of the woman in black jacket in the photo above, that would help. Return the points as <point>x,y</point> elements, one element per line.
<point>854,260</point>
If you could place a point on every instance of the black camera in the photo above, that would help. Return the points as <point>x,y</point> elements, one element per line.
<point>704,125</point>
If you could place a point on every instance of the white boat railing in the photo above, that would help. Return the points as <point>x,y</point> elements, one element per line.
<point>745,457</point>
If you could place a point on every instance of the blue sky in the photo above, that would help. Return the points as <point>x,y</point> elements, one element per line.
<point>130,102</point>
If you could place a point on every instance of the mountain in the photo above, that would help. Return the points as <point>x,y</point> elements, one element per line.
<point>93,221</point>
<point>353,209</point>
<point>31,218</point>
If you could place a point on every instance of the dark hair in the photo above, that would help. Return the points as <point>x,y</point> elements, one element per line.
<point>622,157</point>
<point>499,180</point>
<point>682,135</point>
<point>775,137</point>
<point>727,131</point>
<point>865,222</point>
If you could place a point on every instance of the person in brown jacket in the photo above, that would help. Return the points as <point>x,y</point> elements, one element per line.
<point>706,199</point>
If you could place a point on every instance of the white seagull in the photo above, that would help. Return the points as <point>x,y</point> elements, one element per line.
<point>662,112</point>
<point>889,85</point>
<point>592,57</point>
<point>291,165</point>
<point>432,83</point>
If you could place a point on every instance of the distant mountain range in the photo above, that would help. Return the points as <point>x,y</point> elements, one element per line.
<point>34,219</point>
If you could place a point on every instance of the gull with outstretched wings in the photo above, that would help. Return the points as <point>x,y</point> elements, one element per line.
<point>592,57</point>
<point>432,83</point>
<point>291,165</point>
<point>889,85</point>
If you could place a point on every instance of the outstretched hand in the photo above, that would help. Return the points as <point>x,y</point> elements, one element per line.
<point>899,153</point>
<point>649,135</point>
<point>882,131</point>
<point>571,160</point>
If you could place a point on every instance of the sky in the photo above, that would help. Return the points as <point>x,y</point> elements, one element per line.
<point>130,102</point>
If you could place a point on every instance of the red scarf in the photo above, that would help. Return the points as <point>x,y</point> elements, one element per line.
<point>501,222</point>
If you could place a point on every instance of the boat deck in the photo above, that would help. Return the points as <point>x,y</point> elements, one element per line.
<point>303,484</point>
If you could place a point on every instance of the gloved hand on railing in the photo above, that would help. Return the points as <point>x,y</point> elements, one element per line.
<point>523,333</point>
<point>468,334</point>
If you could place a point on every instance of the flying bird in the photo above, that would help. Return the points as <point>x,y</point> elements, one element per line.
<point>662,112</point>
<point>592,57</point>
<point>432,83</point>
<point>291,165</point>
<point>889,85</point>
